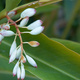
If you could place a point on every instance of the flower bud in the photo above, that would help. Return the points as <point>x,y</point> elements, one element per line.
<point>31,61</point>
<point>12,13</point>
<point>15,68</point>
<point>13,47</point>
<point>13,56</point>
<point>24,22</point>
<point>37,30</point>
<point>7,33</point>
<point>1,37</point>
<point>33,43</point>
<point>2,26</point>
<point>6,27</point>
<point>22,72</point>
<point>18,53</point>
<point>28,12</point>
<point>34,25</point>
<point>23,59</point>
<point>18,73</point>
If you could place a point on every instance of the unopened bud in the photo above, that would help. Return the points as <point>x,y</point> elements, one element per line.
<point>13,56</point>
<point>31,61</point>
<point>13,47</point>
<point>28,12</point>
<point>34,25</point>
<point>18,73</point>
<point>18,53</point>
<point>12,13</point>
<point>37,30</point>
<point>7,33</point>
<point>33,43</point>
<point>22,72</point>
<point>23,59</point>
<point>24,22</point>
<point>15,68</point>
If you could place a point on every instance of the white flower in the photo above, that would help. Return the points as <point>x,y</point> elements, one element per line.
<point>1,37</point>
<point>12,13</point>
<point>13,47</point>
<point>33,43</point>
<point>15,68</point>
<point>18,54</point>
<point>7,33</point>
<point>13,56</point>
<point>24,22</point>
<point>22,72</point>
<point>34,25</point>
<point>31,61</point>
<point>37,30</point>
<point>28,12</point>
<point>18,73</point>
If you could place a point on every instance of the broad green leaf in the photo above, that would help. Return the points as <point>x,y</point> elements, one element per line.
<point>11,4</point>
<point>69,44</point>
<point>55,61</point>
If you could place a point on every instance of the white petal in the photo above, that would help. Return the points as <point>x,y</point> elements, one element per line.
<point>13,47</point>
<point>28,12</point>
<point>24,22</point>
<point>12,13</point>
<point>22,72</point>
<point>13,56</point>
<point>15,68</point>
<point>18,53</point>
<point>34,25</point>
<point>7,33</point>
<point>18,73</point>
<point>31,61</point>
<point>37,30</point>
<point>1,37</point>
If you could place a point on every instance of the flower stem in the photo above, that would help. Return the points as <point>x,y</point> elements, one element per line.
<point>18,31</point>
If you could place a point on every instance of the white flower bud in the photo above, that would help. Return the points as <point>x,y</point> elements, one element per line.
<point>28,12</point>
<point>18,73</point>
<point>6,27</point>
<point>7,33</point>
<point>34,25</point>
<point>13,47</point>
<point>37,30</point>
<point>13,56</point>
<point>22,72</point>
<point>12,13</point>
<point>33,43</point>
<point>31,61</point>
<point>23,59</point>
<point>24,22</point>
<point>1,37</point>
<point>15,68</point>
<point>18,54</point>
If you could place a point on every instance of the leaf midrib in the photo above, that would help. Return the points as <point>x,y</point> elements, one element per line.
<point>46,63</point>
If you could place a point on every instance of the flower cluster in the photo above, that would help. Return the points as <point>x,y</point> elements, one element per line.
<point>17,52</point>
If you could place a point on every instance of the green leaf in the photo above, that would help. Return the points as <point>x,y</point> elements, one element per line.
<point>11,4</point>
<point>55,61</point>
<point>69,44</point>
